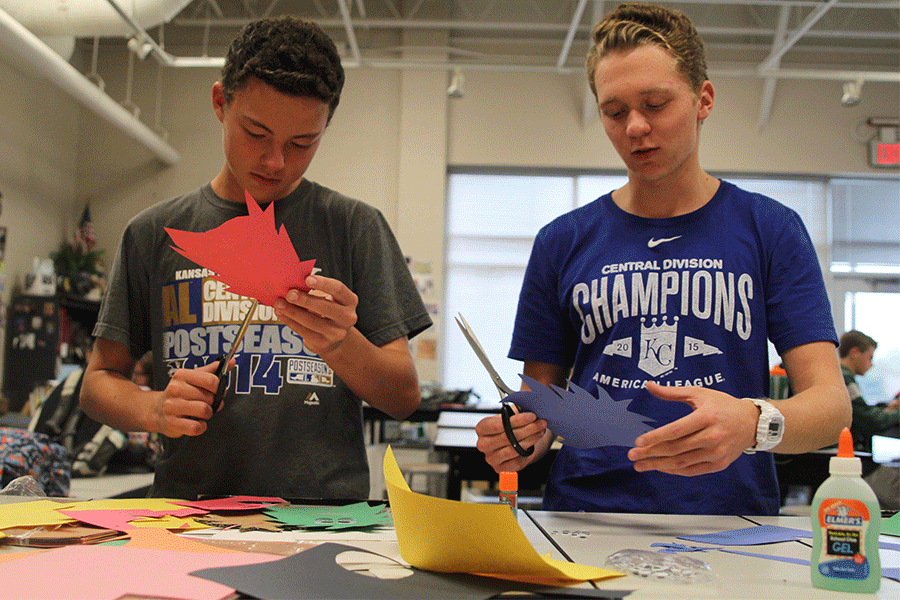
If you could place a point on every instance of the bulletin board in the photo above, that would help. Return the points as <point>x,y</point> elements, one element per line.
<point>32,346</point>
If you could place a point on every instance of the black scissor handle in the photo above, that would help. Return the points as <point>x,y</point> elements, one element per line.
<point>506,412</point>
<point>221,373</point>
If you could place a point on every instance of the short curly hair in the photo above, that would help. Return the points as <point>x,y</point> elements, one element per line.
<point>631,25</point>
<point>292,55</point>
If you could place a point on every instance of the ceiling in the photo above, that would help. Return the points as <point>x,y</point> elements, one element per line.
<point>846,40</point>
<point>853,41</point>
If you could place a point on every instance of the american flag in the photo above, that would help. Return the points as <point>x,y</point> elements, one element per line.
<point>84,235</point>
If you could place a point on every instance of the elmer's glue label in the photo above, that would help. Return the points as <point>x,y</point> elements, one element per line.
<point>846,522</point>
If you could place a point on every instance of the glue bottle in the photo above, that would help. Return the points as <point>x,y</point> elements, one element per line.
<point>509,489</point>
<point>846,523</point>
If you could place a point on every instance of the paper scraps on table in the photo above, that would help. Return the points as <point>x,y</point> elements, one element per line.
<point>290,578</point>
<point>52,536</point>
<point>765,534</point>
<point>231,503</point>
<point>582,420</point>
<point>677,548</point>
<point>242,521</point>
<point>161,539</point>
<point>750,536</point>
<point>33,514</point>
<point>128,518</point>
<point>359,516</point>
<point>99,572</point>
<point>123,514</point>
<point>248,254</point>
<point>448,536</point>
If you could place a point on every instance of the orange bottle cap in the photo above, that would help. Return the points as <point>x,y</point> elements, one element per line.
<point>845,445</point>
<point>509,480</point>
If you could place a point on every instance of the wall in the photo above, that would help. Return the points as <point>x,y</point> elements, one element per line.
<point>535,120</point>
<point>38,175</point>
<point>390,143</point>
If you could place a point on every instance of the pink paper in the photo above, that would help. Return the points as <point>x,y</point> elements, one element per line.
<point>247,254</point>
<point>110,572</point>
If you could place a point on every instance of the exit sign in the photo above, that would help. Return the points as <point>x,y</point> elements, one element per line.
<point>884,154</point>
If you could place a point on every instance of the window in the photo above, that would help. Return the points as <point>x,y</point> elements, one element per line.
<point>875,314</point>
<point>492,220</point>
<point>866,229</point>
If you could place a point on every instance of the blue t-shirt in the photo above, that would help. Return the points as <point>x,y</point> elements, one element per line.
<point>684,301</point>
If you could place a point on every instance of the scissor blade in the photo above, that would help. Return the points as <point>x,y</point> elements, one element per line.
<point>482,356</point>
<point>240,334</point>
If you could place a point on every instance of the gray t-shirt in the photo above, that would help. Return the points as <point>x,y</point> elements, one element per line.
<point>289,427</point>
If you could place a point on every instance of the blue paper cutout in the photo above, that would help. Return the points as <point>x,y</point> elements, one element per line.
<point>760,534</point>
<point>582,420</point>
<point>750,536</point>
<point>673,548</point>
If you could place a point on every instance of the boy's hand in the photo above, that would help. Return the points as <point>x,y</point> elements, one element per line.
<point>709,439</point>
<point>322,316</point>
<point>185,406</point>
<point>498,452</point>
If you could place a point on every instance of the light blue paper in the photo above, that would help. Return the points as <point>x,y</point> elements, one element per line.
<point>750,536</point>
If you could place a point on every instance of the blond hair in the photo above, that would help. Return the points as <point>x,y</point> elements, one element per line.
<point>631,25</point>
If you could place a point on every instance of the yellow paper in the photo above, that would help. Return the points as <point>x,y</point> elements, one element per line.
<point>156,504</point>
<point>460,537</point>
<point>169,522</point>
<point>33,513</point>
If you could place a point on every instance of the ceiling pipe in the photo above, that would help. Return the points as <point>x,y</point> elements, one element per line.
<point>812,18</point>
<point>30,55</point>
<point>570,35</point>
<point>216,62</point>
<point>768,94</point>
<point>140,35</point>
<point>348,27</point>
<point>88,18</point>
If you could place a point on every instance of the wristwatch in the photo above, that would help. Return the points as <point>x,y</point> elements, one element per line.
<point>769,428</point>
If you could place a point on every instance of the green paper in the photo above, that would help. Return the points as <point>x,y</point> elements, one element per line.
<point>351,516</point>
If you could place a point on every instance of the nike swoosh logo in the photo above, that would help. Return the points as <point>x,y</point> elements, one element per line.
<point>654,243</point>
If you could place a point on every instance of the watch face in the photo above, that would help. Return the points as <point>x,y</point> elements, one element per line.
<point>774,427</point>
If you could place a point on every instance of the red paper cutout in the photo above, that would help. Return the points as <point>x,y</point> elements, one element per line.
<point>247,254</point>
<point>232,503</point>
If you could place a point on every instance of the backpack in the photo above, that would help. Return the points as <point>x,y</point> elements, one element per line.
<point>89,445</point>
<point>26,453</point>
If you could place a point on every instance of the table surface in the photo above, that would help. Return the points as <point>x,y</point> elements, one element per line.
<point>589,538</point>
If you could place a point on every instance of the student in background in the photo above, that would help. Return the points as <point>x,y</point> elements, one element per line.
<point>291,422</point>
<point>665,291</point>
<point>856,352</point>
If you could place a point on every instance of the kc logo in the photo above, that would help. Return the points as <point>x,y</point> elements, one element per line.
<point>658,347</point>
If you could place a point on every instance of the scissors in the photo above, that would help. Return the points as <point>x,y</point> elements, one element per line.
<point>506,410</point>
<point>225,359</point>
